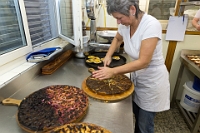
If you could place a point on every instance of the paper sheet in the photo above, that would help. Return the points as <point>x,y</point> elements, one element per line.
<point>176,28</point>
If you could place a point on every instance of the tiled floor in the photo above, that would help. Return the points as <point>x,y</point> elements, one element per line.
<point>170,121</point>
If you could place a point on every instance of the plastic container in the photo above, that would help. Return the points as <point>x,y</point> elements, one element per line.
<point>196,83</point>
<point>190,99</point>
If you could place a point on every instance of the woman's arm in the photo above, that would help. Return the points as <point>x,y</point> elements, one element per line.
<point>114,45</point>
<point>146,52</point>
<point>195,23</point>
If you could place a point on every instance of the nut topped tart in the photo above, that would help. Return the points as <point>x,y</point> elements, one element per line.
<point>79,128</point>
<point>52,106</point>
<point>117,84</point>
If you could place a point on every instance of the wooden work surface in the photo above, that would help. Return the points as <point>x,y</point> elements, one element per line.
<point>107,98</point>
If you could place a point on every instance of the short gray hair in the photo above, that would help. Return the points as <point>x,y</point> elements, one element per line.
<point>122,6</point>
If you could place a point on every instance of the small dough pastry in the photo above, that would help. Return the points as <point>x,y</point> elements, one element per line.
<point>91,57</point>
<point>90,60</point>
<point>116,57</point>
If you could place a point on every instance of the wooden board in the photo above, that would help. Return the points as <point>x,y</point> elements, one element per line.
<point>46,130</point>
<point>107,98</point>
<point>10,101</point>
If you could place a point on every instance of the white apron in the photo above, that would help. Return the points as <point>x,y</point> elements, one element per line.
<point>152,88</point>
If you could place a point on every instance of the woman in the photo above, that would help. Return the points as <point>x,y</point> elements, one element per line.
<point>142,36</point>
<point>196,20</point>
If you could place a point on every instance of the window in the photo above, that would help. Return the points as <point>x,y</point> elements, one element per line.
<point>160,9</point>
<point>12,34</point>
<point>41,20</point>
<point>69,15</point>
<point>66,17</point>
<point>25,23</point>
<point>28,23</point>
<point>14,37</point>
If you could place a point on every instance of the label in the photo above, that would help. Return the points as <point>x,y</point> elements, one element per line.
<point>191,101</point>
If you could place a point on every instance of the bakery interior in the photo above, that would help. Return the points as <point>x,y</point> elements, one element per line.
<point>84,27</point>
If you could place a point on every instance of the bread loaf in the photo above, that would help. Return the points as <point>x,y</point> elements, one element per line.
<point>57,62</point>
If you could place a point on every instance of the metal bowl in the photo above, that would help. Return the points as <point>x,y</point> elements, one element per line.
<point>107,34</point>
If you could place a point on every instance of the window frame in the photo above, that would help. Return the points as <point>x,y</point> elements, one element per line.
<point>52,21</point>
<point>13,55</point>
<point>7,58</point>
<point>77,23</point>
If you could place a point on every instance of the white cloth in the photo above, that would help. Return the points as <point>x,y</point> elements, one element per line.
<point>152,88</point>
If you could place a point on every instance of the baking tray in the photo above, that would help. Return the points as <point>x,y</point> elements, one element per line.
<point>114,63</point>
<point>189,64</point>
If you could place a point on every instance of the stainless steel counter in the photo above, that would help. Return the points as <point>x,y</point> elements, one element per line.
<point>116,117</point>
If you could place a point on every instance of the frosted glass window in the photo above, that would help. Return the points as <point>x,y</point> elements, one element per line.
<point>41,20</point>
<point>12,34</point>
<point>160,9</point>
<point>66,18</point>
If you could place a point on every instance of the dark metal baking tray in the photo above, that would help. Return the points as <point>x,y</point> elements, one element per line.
<point>114,63</point>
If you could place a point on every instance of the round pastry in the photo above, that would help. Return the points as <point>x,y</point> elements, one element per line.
<point>102,59</point>
<point>115,85</point>
<point>96,58</point>
<point>52,106</point>
<point>90,60</point>
<point>91,56</point>
<point>116,57</point>
<point>79,128</point>
<point>97,61</point>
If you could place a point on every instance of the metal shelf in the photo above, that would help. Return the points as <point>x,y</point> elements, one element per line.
<point>192,119</point>
<point>189,64</point>
<point>194,3</point>
<point>188,116</point>
<point>183,4</point>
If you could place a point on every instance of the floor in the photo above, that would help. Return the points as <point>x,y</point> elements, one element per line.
<point>170,121</point>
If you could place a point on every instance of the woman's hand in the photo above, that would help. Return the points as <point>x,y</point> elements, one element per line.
<point>198,27</point>
<point>103,73</point>
<point>107,60</point>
